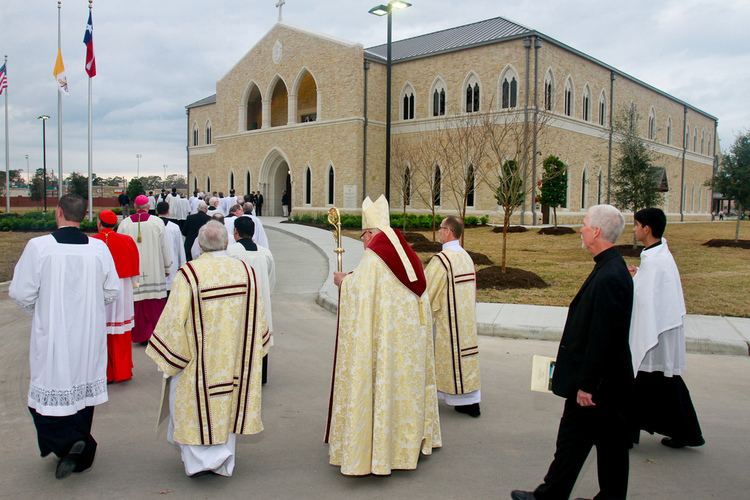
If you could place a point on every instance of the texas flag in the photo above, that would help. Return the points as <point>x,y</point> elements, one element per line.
<point>88,39</point>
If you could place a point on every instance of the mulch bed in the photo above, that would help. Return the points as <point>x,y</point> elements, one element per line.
<point>556,231</point>
<point>415,237</point>
<point>511,229</point>
<point>728,243</point>
<point>427,246</point>
<point>493,277</point>
<point>479,259</point>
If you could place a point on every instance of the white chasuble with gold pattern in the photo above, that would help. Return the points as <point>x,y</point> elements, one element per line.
<point>451,285</point>
<point>383,409</point>
<point>212,331</point>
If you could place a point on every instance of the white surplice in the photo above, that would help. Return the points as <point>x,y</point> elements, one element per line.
<point>66,287</point>
<point>155,254</point>
<point>657,338</point>
<point>176,243</point>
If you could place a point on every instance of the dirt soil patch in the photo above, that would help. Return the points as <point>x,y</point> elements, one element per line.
<point>493,277</point>
<point>728,243</point>
<point>629,251</point>
<point>479,259</point>
<point>511,229</point>
<point>557,231</point>
<point>415,237</point>
<point>427,246</point>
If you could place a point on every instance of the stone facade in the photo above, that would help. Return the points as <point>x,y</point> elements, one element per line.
<point>312,108</point>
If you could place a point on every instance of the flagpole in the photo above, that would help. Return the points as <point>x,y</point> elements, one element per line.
<point>59,116</point>
<point>7,146</point>
<point>91,189</point>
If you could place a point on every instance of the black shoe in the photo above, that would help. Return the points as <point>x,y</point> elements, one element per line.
<point>522,495</point>
<point>202,473</point>
<point>68,463</point>
<point>679,443</point>
<point>472,410</point>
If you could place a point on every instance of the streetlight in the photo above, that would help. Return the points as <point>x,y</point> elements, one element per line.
<point>138,157</point>
<point>44,119</point>
<point>164,181</point>
<point>386,10</point>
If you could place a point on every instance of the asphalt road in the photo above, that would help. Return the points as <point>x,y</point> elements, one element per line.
<point>508,447</point>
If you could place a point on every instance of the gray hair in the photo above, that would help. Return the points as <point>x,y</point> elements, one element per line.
<point>202,206</point>
<point>213,201</point>
<point>212,237</point>
<point>608,219</point>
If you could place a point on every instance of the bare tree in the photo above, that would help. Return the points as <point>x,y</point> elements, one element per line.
<point>424,167</point>
<point>401,156</point>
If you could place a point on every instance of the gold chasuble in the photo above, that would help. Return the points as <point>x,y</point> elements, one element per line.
<point>383,408</point>
<point>212,331</point>
<point>451,285</point>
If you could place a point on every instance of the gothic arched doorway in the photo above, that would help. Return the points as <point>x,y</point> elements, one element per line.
<point>275,178</point>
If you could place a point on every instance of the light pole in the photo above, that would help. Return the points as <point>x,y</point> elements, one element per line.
<point>44,119</point>
<point>386,10</point>
<point>27,169</point>
<point>138,157</point>
<point>164,180</point>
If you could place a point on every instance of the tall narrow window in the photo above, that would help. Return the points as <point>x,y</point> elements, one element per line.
<point>703,139</point>
<point>208,186</point>
<point>568,98</point>
<point>583,189</point>
<point>470,186</point>
<point>472,95</point>
<point>669,130</point>
<point>437,186</point>
<point>407,103</point>
<point>308,186</point>
<point>586,104</point>
<point>695,139</point>
<point>208,133</point>
<point>476,97</point>
<point>435,103</point>
<point>599,189</point>
<point>509,90</point>
<point>231,180</point>
<point>195,184</point>
<point>195,134</point>
<point>407,186</point>
<point>247,182</point>
<point>548,91</point>
<point>438,97</point>
<point>686,139</point>
<point>331,184</point>
<point>442,102</point>
<point>602,109</point>
<point>652,125</point>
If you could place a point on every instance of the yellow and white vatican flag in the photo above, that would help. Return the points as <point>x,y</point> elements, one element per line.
<point>59,72</point>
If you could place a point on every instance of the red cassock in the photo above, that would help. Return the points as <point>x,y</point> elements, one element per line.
<point>120,316</point>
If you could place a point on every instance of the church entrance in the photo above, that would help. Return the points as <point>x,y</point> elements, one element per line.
<point>275,178</point>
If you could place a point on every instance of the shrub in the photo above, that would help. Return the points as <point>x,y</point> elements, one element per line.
<point>413,221</point>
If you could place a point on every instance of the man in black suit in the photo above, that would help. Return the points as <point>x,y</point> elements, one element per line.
<point>259,204</point>
<point>192,224</point>
<point>593,370</point>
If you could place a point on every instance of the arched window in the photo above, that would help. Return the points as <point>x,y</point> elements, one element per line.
<point>195,134</point>
<point>407,186</point>
<point>695,139</point>
<point>195,184</point>
<point>331,184</point>
<point>669,130</point>
<point>703,139</point>
<point>308,186</point>
<point>247,182</point>
<point>407,103</point>
<point>509,89</point>
<point>438,97</point>
<point>602,109</point>
<point>279,104</point>
<point>209,138</point>
<point>599,188</point>
<point>568,97</point>
<point>584,189</point>
<point>208,187</point>
<point>231,181</point>
<point>307,98</point>
<point>254,104</point>
<point>549,90</point>
<point>586,103</point>
<point>437,186</point>
<point>686,139</point>
<point>470,185</point>
<point>472,94</point>
<point>652,124</point>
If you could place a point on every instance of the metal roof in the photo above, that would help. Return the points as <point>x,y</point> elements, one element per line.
<point>206,100</point>
<point>460,37</point>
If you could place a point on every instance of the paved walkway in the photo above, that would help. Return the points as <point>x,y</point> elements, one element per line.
<point>705,334</point>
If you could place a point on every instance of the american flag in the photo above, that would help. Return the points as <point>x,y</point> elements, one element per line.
<point>88,39</point>
<point>3,79</point>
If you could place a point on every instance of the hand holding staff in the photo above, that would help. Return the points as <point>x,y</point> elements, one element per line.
<point>335,220</point>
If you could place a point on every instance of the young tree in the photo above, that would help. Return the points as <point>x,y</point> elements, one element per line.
<point>401,156</point>
<point>554,191</point>
<point>733,178</point>
<point>78,184</point>
<point>36,189</point>
<point>135,187</point>
<point>509,195</point>
<point>424,165</point>
<point>634,185</point>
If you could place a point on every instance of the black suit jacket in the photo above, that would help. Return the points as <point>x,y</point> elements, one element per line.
<point>594,354</point>
<point>190,230</point>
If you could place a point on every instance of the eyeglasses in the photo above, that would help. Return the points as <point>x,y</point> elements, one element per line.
<point>361,236</point>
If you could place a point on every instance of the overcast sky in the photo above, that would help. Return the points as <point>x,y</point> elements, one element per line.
<point>155,57</point>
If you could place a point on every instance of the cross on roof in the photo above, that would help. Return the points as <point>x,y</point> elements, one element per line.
<point>279,5</point>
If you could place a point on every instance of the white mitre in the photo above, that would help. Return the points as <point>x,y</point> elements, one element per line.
<point>376,215</point>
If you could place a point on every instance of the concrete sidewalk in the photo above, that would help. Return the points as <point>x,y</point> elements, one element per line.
<point>705,334</point>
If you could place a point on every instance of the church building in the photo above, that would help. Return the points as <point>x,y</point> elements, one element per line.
<point>305,113</point>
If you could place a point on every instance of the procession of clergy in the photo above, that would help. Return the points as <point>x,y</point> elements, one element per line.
<point>406,337</point>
